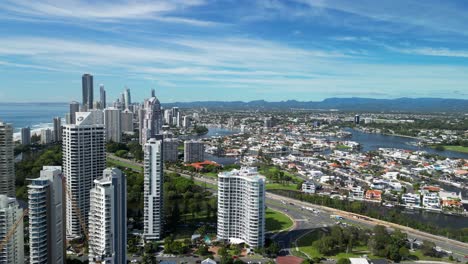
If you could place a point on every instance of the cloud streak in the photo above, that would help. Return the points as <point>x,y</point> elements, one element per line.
<point>105,12</point>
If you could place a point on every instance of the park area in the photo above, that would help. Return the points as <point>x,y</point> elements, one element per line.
<point>277,221</point>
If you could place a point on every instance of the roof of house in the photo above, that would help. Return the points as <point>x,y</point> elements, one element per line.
<point>289,260</point>
<point>200,165</point>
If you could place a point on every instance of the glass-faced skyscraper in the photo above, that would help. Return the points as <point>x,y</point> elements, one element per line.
<point>7,164</point>
<point>87,89</point>
<point>102,93</point>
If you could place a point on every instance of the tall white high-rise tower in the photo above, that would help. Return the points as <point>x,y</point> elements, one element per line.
<point>108,218</point>
<point>84,159</point>
<point>153,189</point>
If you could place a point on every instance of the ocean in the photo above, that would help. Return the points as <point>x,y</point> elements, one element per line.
<point>35,115</point>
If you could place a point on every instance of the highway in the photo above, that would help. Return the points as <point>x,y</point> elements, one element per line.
<point>305,221</point>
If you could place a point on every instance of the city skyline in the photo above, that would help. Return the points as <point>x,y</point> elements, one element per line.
<point>193,51</point>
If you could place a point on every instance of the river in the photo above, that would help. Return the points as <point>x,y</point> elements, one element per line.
<point>372,141</point>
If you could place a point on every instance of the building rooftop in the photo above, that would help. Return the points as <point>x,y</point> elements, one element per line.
<point>249,173</point>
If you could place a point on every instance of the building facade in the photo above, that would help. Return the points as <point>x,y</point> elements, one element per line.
<point>127,98</point>
<point>25,135</point>
<point>152,120</point>
<point>46,200</point>
<point>46,136</point>
<point>127,121</point>
<point>153,189</point>
<point>102,96</point>
<point>57,129</point>
<point>108,218</point>
<point>241,207</point>
<point>11,214</point>
<point>84,159</point>
<point>87,90</point>
<point>7,164</point>
<point>194,151</point>
<point>74,107</point>
<point>170,149</point>
<point>112,123</point>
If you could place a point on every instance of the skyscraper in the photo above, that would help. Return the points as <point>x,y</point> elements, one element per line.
<point>186,122</point>
<point>46,136</point>
<point>47,217</point>
<point>87,89</point>
<point>128,99</point>
<point>102,94</point>
<point>127,121</point>
<point>356,119</point>
<point>153,189</point>
<point>74,107</point>
<point>241,207</point>
<point>84,159</point>
<point>108,218</point>
<point>7,167</point>
<point>112,124</point>
<point>168,116</point>
<point>175,116</point>
<point>152,121</point>
<point>194,151</point>
<point>25,135</point>
<point>57,129</point>
<point>170,149</point>
<point>11,213</point>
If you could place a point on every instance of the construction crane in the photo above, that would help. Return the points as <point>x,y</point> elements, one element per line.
<point>75,208</point>
<point>80,216</point>
<point>12,231</point>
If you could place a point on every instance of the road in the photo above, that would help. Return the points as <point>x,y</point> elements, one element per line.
<point>306,221</point>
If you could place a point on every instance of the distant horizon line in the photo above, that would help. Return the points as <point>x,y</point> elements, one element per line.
<point>256,100</point>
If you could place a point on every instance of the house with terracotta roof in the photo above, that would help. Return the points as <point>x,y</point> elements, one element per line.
<point>374,195</point>
<point>451,203</point>
<point>201,165</point>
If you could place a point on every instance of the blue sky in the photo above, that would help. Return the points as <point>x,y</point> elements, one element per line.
<point>234,49</point>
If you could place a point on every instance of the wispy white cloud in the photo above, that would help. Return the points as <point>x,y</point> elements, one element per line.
<point>428,51</point>
<point>398,16</point>
<point>230,63</point>
<point>105,11</point>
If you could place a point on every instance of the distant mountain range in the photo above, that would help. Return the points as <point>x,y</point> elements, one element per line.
<point>342,104</point>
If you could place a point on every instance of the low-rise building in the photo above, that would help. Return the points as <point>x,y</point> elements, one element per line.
<point>374,195</point>
<point>308,187</point>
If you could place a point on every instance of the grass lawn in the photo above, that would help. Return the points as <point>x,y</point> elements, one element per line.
<point>342,147</point>
<point>277,221</point>
<point>265,170</point>
<point>305,245</point>
<point>279,186</point>
<point>210,174</point>
<point>207,185</point>
<point>457,148</point>
<point>119,163</point>
<point>418,255</point>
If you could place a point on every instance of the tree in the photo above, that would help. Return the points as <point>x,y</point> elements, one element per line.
<point>203,251</point>
<point>379,241</point>
<point>427,248</point>
<point>404,253</point>
<point>325,245</point>
<point>222,251</point>
<point>343,261</point>
<point>121,153</point>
